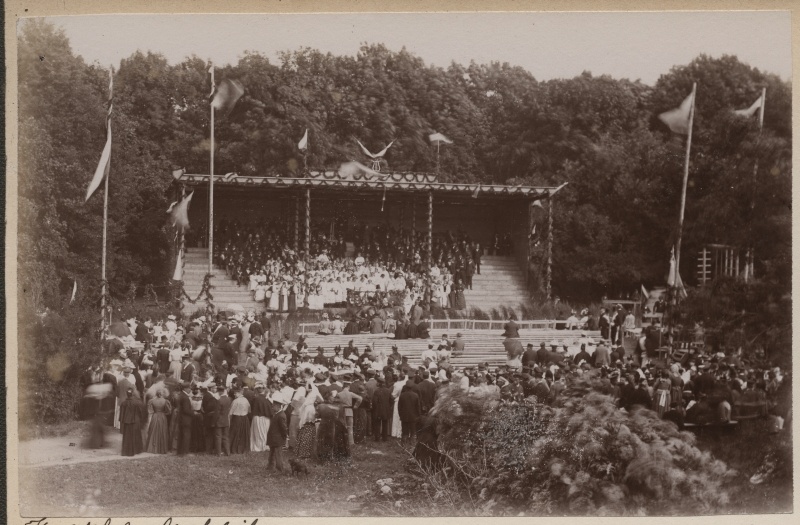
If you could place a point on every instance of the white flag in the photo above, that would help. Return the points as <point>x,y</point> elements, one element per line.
<point>178,273</point>
<point>303,144</point>
<point>749,112</point>
<point>438,137</point>
<point>74,291</point>
<point>678,119</point>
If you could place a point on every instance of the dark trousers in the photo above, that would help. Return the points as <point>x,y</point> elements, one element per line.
<point>409,429</point>
<point>380,428</point>
<point>469,281</point>
<point>478,266</point>
<point>221,443</point>
<point>185,439</point>
<point>275,458</point>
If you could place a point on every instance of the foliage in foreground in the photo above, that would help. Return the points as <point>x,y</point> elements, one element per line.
<point>581,456</point>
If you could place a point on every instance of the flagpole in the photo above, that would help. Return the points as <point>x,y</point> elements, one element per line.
<point>103,306</point>
<point>104,290</point>
<point>211,187</point>
<point>685,180</point>
<point>748,263</point>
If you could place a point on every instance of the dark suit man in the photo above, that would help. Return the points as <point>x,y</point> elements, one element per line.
<point>382,408</point>
<point>162,358</point>
<point>220,334</point>
<point>409,409</point>
<point>185,413</point>
<point>222,423</point>
<point>583,355</point>
<point>541,355</point>
<point>529,357</point>
<point>511,329</point>
<point>187,373</point>
<point>427,392</point>
<point>210,410</point>
<point>143,332</point>
<point>604,324</point>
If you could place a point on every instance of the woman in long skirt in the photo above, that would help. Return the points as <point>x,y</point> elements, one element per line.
<point>332,442</point>
<point>282,299</point>
<point>131,415</point>
<point>292,306</point>
<point>262,413</point>
<point>397,388</point>
<point>240,424</point>
<point>273,298</point>
<point>158,433</point>
<point>359,425</point>
<point>307,435</point>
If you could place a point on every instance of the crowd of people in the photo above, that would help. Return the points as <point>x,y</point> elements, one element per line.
<point>382,262</point>
<point>224,386</point>
<point>686,387</point>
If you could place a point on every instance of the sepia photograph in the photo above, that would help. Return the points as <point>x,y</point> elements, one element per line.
<point>428,264</point>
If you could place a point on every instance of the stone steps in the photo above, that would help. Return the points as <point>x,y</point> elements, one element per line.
<point>500,284</point>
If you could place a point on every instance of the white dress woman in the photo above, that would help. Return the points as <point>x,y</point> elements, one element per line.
<point>253,282</point>
<point>273,300</point>
<point>283,297</point>
<point>260,293</point>
<point>397,431</point>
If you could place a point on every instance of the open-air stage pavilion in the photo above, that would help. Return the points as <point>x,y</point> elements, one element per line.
<point>416,201</point>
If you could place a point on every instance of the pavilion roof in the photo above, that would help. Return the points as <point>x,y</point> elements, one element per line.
<point>395,181</point>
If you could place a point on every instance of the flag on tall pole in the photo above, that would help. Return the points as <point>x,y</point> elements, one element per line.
<point>759,105</point>
<point>211,178</point>
<point>303,144</point>
<point>438,139</point>
<point>74,291</point>
<point>179,213</point>
<point>223,99</point>
<point>105,158</point>
<point>671,277</point>
<point>226,95</point>
<point>177,275</point>
<point>678,119</point>
<point>755,106</point>
<point>101,175</point>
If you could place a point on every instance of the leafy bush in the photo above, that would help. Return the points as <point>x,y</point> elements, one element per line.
<point>581,456</point>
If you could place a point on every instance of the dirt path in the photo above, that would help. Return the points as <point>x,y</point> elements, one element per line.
<point>67,450</point>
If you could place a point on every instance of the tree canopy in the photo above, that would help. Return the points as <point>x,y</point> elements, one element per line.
<point>614,223</point>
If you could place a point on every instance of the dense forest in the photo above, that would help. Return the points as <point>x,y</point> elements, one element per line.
<point>615,222</point>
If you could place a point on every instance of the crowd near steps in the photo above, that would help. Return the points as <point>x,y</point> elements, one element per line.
<point>226,290</point>
<point>501,284</point>
<point>481,346</point>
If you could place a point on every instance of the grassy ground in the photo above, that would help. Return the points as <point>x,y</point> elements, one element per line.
<point>240,485</point>
<point>204,485</point>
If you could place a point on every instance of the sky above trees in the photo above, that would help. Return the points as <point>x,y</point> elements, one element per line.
<point>549,45</point>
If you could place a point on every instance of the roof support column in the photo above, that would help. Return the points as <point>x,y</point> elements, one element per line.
<point>307,239</point>
<point>296,223</point>
<point>548,288</point>
<point>529,252</point>
<point>430,229</point>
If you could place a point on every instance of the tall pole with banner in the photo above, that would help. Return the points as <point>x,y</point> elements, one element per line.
<point>685,181</point>
<point>104,306</point>
<point>211,181</point>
